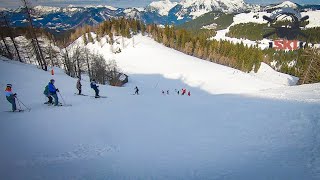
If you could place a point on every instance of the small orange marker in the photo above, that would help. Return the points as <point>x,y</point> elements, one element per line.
<point>52,72</point>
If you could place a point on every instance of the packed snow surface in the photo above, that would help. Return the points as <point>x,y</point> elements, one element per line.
<point>233,126</point>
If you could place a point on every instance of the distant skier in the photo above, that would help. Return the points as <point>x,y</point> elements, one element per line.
<point>168,92</point>
<point>47,94</point>
<point>176,91</point>
<point>79,85</point>
<point>189,93</point>
<point>11,97</point>
<point>137,91</point>
<point>183,91</point>
<point>163,92</point>
<point>94,86</point>
<point>53,92</point>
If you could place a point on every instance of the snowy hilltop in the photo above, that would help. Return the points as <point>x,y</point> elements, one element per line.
<point>232,125</point>
<point>59,19</point>
<point>161,7</point>
<point>197,8</point>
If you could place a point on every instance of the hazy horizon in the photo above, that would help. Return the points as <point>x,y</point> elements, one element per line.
<point>123,3</point>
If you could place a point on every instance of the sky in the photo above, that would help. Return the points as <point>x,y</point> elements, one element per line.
<point>122,3</point>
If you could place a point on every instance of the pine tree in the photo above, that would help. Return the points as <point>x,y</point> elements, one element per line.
<point>84,38</point>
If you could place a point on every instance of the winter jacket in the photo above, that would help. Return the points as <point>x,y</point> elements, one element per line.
<point>93,85</point>
<point>79,85</point>
<point>52,88</point>
<point>9,93</point>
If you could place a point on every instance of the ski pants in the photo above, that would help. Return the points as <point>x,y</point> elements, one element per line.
<point>50,99</point>
<point>97,91</point>
<point>12,100</point>
<point>56,99</point>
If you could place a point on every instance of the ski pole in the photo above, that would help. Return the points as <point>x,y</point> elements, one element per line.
<point>62,98</point>
<point>19,104</point>
<point>23,104</point>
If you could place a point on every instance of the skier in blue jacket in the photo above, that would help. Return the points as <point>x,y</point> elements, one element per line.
<point>53,92</point>
<point>94,86</point>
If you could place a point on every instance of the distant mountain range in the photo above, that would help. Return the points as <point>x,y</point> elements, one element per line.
<point>59,19</point>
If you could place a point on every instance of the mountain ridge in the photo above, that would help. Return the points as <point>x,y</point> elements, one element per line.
<point>60,19</point>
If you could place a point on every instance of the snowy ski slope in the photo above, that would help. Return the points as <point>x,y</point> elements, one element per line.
<point>233,126</point>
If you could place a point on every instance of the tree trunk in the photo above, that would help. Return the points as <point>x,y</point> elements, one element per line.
<point>7,47</point>
<point>88,63</point>
<point>12,38</point>
<point>35,43</point>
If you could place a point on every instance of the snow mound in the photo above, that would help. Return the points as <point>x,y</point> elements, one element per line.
<point>266,73</point>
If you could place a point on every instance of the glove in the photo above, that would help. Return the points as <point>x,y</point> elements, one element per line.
<point>14,94</point>
<point>57,90</point>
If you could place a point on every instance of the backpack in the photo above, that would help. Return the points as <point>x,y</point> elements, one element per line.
<point>46,90</point>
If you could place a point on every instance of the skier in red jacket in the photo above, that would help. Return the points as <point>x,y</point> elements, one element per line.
<point>183,91</point>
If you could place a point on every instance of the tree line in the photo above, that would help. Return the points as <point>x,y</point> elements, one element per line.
<point>198,44</point>
<point>254,32</point>
<point>36,46</point>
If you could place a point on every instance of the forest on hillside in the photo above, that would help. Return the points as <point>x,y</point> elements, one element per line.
<point>254,31</point>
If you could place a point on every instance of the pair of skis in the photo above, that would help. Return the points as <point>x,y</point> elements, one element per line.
<point>16,111</point>
<point>59,104</point>
<point>90,96</point>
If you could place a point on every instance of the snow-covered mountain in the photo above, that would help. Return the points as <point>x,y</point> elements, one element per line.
<point>47,9</point>
<point>66,18</point>
<point>282,5</point>
<point>196,8</point>
<point>59,19</point>
<point>161,12</point>
<point>162,7</point>
<point>287,4</point>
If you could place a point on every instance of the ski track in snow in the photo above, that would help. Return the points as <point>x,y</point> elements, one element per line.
<point>233,126</point>
<point>81,152</point>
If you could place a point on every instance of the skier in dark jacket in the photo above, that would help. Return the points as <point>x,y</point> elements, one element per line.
<point>53,92</point>
<point>11,97</point>
<point>137,91</point>
<point>94,86</point>
<point>79,85</point>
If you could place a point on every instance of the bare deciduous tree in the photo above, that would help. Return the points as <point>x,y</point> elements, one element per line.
<point>34,39</point>
<point>99,72</point>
